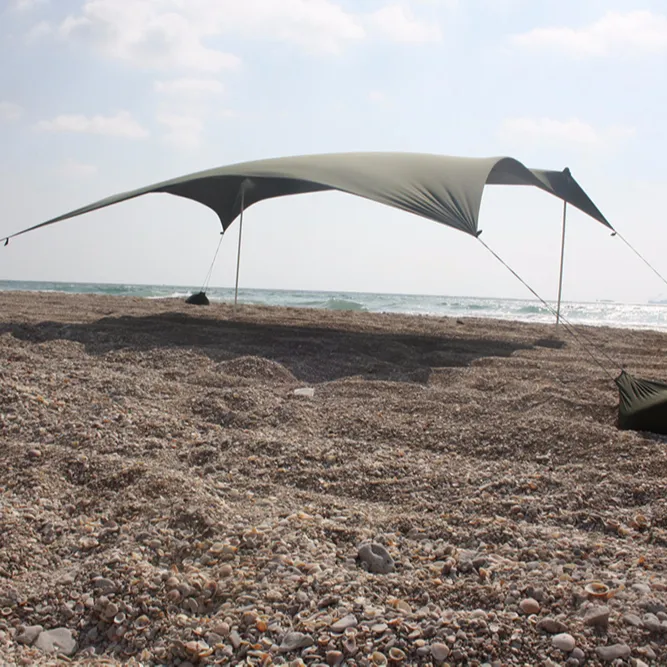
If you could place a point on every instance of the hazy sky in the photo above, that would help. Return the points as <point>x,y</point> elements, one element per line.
<point>100,96</point>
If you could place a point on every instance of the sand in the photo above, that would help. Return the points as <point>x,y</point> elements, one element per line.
<point>167,498</point>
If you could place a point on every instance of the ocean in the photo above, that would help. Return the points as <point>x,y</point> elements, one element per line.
<point>599,313</point>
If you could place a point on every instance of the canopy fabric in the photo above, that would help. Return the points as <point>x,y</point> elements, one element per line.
<point>642,404</point>
<point>445,189</point>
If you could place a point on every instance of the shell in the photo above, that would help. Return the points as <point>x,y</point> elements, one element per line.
<point>597,589</point>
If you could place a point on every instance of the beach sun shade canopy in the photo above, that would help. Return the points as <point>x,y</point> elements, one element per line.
<point>642,404</point>
<point>445,189</point>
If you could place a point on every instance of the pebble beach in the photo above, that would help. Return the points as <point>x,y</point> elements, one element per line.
<point>185,485</point>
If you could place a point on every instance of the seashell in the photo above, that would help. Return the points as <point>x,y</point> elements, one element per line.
<point>323,640</point>
<point>119,618</point>
<point>378,658</point>
<point>172,582</point>
<point>174,595</point>
<point>262,625</point>
<point>142,622</point>
<point>396,655</point>
<point>597,589</point>
<point>6,611</point>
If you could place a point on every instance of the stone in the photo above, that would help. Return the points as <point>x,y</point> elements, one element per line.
<point>636,662</point>
<point>578,654</point>
<point>598,617</point>
<point>551,625</point>
<point>439,652</point>
<point>631,619</point>
<point>293,641</point>
<point>342,624</point>
<point>613,652</point>
<point>564,642</point>
<point>642,589</point>
<point>58,640</point>
<point>651,623</point>
<point>529,606</point>
<point>104,586</point>
<point>34,453</point>
<point>375,558</point>
<point>29,634</point>
<point>334,658</point>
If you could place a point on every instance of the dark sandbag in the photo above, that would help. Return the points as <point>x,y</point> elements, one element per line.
<point>199,299</point>
<point>642,404</point>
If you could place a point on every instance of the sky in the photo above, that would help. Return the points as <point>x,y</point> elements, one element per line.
<point>102,96</point>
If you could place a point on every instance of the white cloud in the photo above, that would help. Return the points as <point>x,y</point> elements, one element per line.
<point>120,125</point>
<point>551,132</point>
<point>183,130</point>
<point>615,33</point>
<point>399,24</point>
<point>186,36</point>
<point>24,5</point>
<point>38,31</point>
<point>189,87</point>
<point>77,170</point>
<point>10,111</point>
<point>149,33</point>
<point>377,97</point>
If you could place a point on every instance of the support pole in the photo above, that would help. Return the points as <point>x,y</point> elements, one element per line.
<point>562,259</point>
<point>238,254</point>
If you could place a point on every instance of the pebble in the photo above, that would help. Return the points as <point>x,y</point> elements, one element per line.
<point>598,617</point>
<point>334,658</point>
<point>376,558</point>
<point>578,654</point>
<point>34,453</point>
<point>529,606</point>
<point>631,619</point>
<point>58,640</point>
<point>613,652</point>
<point>563,642</point>
<point>439,652</point>
<point>651,623</point>
<point>551,625</point>
<point>349,621</point>
<point>294,641</point>
<point>29,634</point>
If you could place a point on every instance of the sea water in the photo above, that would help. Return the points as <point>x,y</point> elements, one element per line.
<point>600,313</point>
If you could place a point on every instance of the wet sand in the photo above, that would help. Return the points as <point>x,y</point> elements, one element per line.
<point>167,498</point>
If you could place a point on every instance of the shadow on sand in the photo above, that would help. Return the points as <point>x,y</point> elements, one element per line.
<point>312,353</point>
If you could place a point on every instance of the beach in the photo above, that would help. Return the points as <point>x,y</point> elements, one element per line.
<point>192,485</point>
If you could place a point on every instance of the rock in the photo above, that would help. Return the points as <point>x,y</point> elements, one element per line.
<point>564,642</point>
<point>613,652</point>
<point>375,558</point>
<point>29,634</point>
<point>578,654</point>
<point>642,589</point>
<point>104,586</point>
<point>598,617</point>
<point>636,662</point>
<point>631,619</point>
<point>293,641</point>
<point>439,652</point>
<point>58,640</point>
<point>342,624</point>
<point>551,625</point>
<point>34,454</point>
<point>651,623</point>
<point>334,658</point>
<point>529,606</point>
